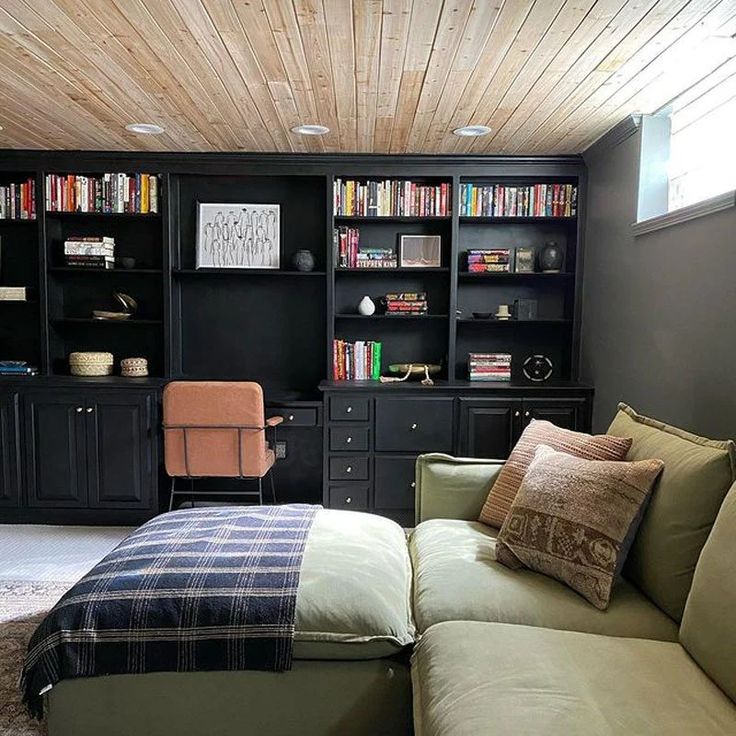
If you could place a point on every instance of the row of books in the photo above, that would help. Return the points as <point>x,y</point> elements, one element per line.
<point>350,254</point>
<point>407,302</point>
<point>489,366</point>
<point>17,368</point>
<point>107,194</point>
<point>18,201</point>
<point>390,198</point>
<point>356,361</point>
<point>491,260</point>
<point>535,200</point>
<point>90,252</point>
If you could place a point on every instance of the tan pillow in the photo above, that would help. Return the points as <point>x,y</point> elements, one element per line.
<point>579,444</point>
<point>574,519</point>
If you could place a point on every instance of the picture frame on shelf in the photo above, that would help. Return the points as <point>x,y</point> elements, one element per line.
<point>525,260</point>
<point>232,235</point>
<point>420,251</point>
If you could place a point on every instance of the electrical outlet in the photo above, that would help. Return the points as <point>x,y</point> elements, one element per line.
<point>280,450</point>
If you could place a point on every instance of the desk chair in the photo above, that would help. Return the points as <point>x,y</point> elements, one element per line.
<point>217,429</point>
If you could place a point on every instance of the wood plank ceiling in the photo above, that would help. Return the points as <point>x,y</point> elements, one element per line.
<point>395,76</point>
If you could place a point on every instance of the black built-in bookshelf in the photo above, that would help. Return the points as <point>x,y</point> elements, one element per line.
<point>277,326</point>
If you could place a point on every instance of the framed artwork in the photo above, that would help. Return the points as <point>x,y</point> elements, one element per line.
<point>420,251</point>
<point>238,235</point>
<point>524,261</point>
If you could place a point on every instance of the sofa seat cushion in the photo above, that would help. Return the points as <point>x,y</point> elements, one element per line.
<point>456,578</point>
<point>471,678</point>
<point>354,598</point>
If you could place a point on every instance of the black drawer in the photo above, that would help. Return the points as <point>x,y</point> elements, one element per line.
<point>393,485</point>
<point>349,497</point>
<point>349,408</point>
<point>414,424</point>
<point>349,438</point>
<point>349,468</point>
<point>295,416</point>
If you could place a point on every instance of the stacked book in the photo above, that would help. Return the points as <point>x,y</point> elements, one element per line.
<point>534,200</point>
<point>13,294</point>
<point>356,361</point>
<point>493,260</point>
<point>489,366</point>
<point>90,252</point>
<point>350,254</point>
<point>17,368</point>
<point>390,198</point>
<point>18,201</point>
<point>406,302</point>
<point>106,194</point>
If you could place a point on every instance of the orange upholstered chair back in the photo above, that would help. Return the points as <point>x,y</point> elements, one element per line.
<point>211,451</point>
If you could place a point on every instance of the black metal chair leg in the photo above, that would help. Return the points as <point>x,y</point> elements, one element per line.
<point>273,487</point>
<point>260,491</point>
<point>171,499</point>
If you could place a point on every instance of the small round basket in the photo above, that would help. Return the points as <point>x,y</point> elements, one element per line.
<point>91,364</point>
<point>133,367</point>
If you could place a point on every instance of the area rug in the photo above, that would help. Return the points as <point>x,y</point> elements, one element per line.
<point>22,606</point>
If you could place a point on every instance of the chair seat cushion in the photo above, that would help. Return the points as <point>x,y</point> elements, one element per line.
<point>457,578</point>
<point>473,678</point>
<point>354,598</point>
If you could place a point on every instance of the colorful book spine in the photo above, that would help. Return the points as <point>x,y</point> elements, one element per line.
<point>390,198</point>
<point>106,194</point>
<point>18,200</point>
<point>356,361</point>
<point>532,200</point>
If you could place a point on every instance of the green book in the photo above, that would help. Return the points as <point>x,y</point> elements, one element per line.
<point>376,373</point>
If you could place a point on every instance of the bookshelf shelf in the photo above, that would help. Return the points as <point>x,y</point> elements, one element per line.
<point>18,221</point>
<point>507,323</point>
<point>92,321</point>
<point>465,220</point>
<point>243,272</point>
<point>104,215</point>
<point>511,276</point>
<point>106,271</point>
<point>384,271</point>
<point>390,218</point>
<point>391,317</point>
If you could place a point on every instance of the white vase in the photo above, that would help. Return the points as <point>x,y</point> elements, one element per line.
<point>366,306</point>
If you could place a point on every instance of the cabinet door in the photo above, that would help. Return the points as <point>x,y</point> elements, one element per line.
<point>9,450</point>
<point>565,413</point>
<point>409,424</point>
<point>120,450</point>
<point>56,470</point>
<point>489,427</point>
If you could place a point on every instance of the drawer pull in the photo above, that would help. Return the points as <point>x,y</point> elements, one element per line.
<point>414,426</point>
<point>89,410</point>
<point>349,499</point>
<point>348,409</point>
<point>348,440</point>
<point>349,469</point>
<point>517,413</point>
<point>291,417</point>
<point>80,409</point>
<point>413,484</point>
<point>526,413</point>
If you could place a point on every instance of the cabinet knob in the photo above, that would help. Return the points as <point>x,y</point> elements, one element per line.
<point>348,440</point>
<point>89,410</point>
<point>80,409</point>
<point>526,414</point>
<point>517,413</point>
<point>414,426</point>
<point>348,409</point>
<point>349,499</point>
<point>349,469</point>
<point>413,484</point>
<point>291,417</point>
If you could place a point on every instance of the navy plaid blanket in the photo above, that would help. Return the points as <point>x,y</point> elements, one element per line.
<point>194,590</point>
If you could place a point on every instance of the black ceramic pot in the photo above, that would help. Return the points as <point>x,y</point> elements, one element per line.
<point>551,257</point>
<point>303,260</point>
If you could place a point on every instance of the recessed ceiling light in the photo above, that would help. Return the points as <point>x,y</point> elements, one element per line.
<point>145,128</point>
<point>472,130</point>
<point>310,129</point>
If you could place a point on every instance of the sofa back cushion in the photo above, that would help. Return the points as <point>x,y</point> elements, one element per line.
<point>539,432</point>
<point>697,474</point>
<point>708,630</point>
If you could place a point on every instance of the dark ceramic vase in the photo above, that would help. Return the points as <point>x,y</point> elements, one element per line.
<point>303,260</point>
<point>551,257</point>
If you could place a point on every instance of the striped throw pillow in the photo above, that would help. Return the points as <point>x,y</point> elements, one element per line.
<point>539,432</point>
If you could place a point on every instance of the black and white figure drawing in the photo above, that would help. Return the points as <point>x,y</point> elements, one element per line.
<point>238,235</point>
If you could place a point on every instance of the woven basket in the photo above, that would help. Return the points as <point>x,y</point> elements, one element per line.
<point>133,367</point>
<point>91,364</point>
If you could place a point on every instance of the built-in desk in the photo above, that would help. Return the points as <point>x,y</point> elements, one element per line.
<point>373,432</point>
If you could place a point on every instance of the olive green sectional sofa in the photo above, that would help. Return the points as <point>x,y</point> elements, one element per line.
<point>502,651</point>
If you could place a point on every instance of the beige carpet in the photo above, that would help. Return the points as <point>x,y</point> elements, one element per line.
<point>22,607</point>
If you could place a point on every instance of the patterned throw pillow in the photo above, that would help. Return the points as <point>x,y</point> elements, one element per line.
<point>539,432</point>
<point>575,519</point>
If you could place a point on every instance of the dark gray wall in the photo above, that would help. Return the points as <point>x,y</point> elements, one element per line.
<point>659,310</point>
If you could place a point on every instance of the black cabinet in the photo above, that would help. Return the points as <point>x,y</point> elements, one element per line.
<point>90,450</point>
<point>10,462</point>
